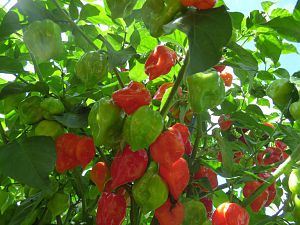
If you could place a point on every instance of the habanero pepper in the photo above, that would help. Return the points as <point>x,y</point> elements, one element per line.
<point>230,214</point>
<point>142,128</point>
<point>99,175</point>
<point>194,212</point>
<point>160,62</point>
<point>294,181</point>
<point>224,122</point>
<point>150,191</point>
<point>30,111</point>
<point>261,200</point>
<point>170,214</point>
<point>227,78</point>
<point>167,148</point>
<point>205,91</point>
<point>49,128</point>
<point>207,202</point>
<point>111,209</point>
<point>159,94</point>
<point>128,166</point>
<point>199,4</point>
<point>205,172</point>
<point>271,189</point>
<point>177,177</point>
<point>132,97</point>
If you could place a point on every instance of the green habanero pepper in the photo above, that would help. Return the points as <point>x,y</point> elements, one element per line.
<point>280,91</point>
<point>156,13</point>
<point>295,110</point>
<point>59,203</point>
<point>52,106</point>
<point>49,128</point>
<point>142,128</point>
<point>43,40</point>
<point>206,90</point>
<point>106,122</point>
<point>194,212</point>
<point>30,111</point>
<point>294,181</point>
<point>150,191</point>
<point>92,68</point>
<point>296,211</point>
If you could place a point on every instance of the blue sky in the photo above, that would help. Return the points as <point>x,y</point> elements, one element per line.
<point>291,62</point>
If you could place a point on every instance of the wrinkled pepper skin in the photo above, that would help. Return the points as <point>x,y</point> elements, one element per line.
<point>207,202</point>
<point>150,191</point>
<point>205,172</point>
<point>294,181</point>
<point>230,214</point>
<point>160,62</point>
<point>30,111</point>
<point>167,148</point>
<point>261,200</point>
<point>156,13</point>
<point>227,78</point>
<point>199,4</point>
<point>99,175</point>
<point>159,94</point>
<point>183,130</point>
<point>271,189</point>
<point>194,212</point>
<point>177,177</point>
<point>132,97</point>
<point>128,166</point>
<point>280,91</point>
<point>43,39</point>
<point>52,106</point>
<point>295,110</point>
<point>85,151</point>
<point>92,68</point>
<point>111,209</point>
<point>142,128</point>
<point>206,91</point>
<point>169,214</point>
<point>106,122</point>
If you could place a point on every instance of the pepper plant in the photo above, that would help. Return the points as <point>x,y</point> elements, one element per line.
<point>148,112</point>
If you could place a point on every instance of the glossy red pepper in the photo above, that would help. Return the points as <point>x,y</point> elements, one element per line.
<point>99,175</point>
<point>160,62</point>
<point>271,189</point>
<point>159,94</point>
<point>183,130</point>
<point>188,148</point>
<point>170,214</point>
<point>72,151</point>
<point>199,4</point>
<point>167,148</point>
<point>111,209</point>
<point>261,200</point>
<point>177,177</point>
<point>227,78</point>
<point>85,150</point>
<point>205,172</point>
<point>219,68</point>
<point>271,155</point>
<point>281,145</point>
<point>128,166</point>
<point>207,202</point>
<point>132,97</point>
<point>224,122</point>
<point>230,214</point>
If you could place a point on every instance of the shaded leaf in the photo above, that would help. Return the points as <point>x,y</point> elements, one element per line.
<point>73,120</point>
<point>9,24</point>
<point>10,65</point>
<point>269,46</point>
<point>120,8</point>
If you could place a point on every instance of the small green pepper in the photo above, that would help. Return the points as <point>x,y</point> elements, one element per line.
<point>206,90</point>
<point>49,128</point>
<point>150,191</point>
<point>30,111</point>
<point>106,122</point>
<point>280,91</point>
<point>52,106</point>
<point>194,212</point>
<point>142,128</point>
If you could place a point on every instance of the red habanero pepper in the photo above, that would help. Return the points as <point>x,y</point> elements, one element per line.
<point>177,177</point>
<point>132,97</point>
<point>85,150</point>
<point>159,94</point>
<point>271,155</point>
<point>160,62</point>
<point>167,148</point>
<point>111,209</point>
<point>170,214</point>
<point>230,214</point>
<point>199,4</point>
<point>183,130</point>
<point>205,172</point>
<point>225,122</point>
<point>99,175</point>
<point>261,200</point>
<point>188,148</point>
<point>281,145</point>
<point>271,189</point>
<point>207,202</point>
<point>128,166</point>
<point>227,78</point>
<point>219,68</point>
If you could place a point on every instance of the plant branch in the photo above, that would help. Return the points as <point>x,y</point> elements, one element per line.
<point>119,78</point>
<point>165,109</point>
<point>78,180</point>
<point>283,168</point>
<point>36,68</point>
<point>3,135</point>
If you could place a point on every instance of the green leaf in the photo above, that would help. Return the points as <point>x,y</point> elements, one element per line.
<point>137,73</point>
<point>280,13</point>
<point>265,75</point>
<point>9,24</point>
<point>135,39</point>
<point>6,200</point>
<point>267,5</point>
<point>30,161</point>
<point>73,10</point>
<point>236,18</point>
<point>119,58</point>
<point>288,48</point>
<point>10,65</point>
<point>244,119</point>
<point>17,88</point>
<point>256,18</point>
<point>208,31</point>
<point>285,26</point>
<point>91,32</point>
<point>73,120</point>
<point>120,8</point>
<point>269,46</point>
<point>34,10</point>
<point>256,111</point>
<point>282,73</point>
<point>296,13</point>
<point>89,10</point>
